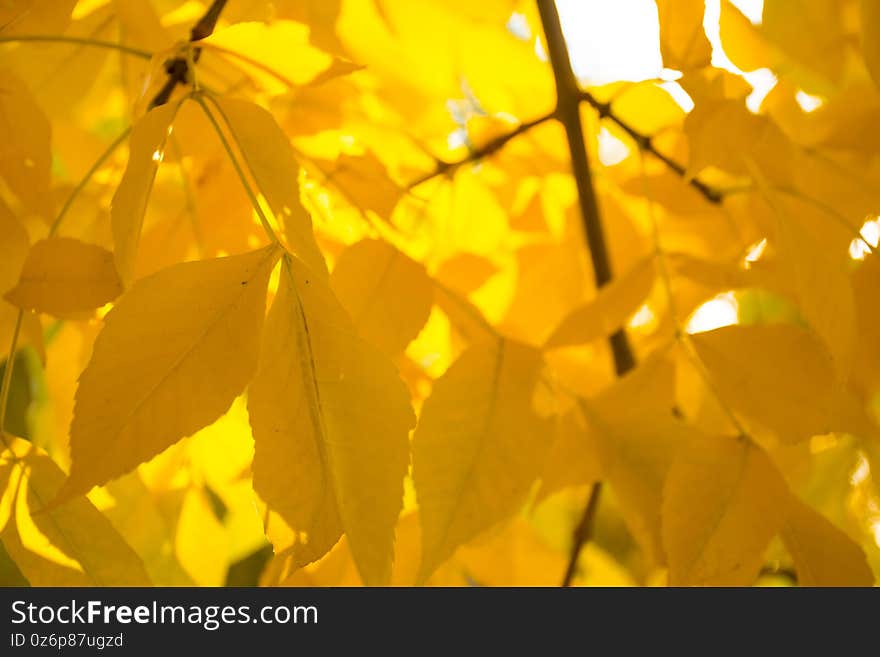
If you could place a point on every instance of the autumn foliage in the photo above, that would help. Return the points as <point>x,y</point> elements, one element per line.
<point>330,292</point>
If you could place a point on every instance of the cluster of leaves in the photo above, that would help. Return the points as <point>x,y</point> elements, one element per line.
<point>433,407</point>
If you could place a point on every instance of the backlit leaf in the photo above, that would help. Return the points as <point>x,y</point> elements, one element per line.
<point>387,294</point>
<point>329,410</point>
<point>478,447</point>
<point>823,555</point>
<point>70,545</point>
<point>174,352</point>
<point>722,503</point>
<point>62,276</point>
<point>129,204</point>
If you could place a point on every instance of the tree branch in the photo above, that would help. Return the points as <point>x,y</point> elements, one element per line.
<point>568,99</point>
<point>605,111</point>
<point>646,144</point>
<point>444,168</point>
<point>178,67</point>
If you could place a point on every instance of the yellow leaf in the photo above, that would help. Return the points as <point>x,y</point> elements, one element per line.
<point>743,42</point>
<point>865,283</point>
<point>364,182</point>
<point>726,135</point>
<point>275,55</point>
<point>871,37</point>
<point>636,449</point>
<point>722,503</point>
<point>330,413</point>
<point>199,540</point>
<point>552,280</point>
<point>479,446</point>
<point>465,272</point>
<point>823,555</point>
<point>778,375</point>
<point>387,294</point>
<point>63,276</point>
<point>683,42</point>
<point>25,152</point>
<point>818,275</point>
<point>70,545</point>
<point>173,354</point>
<point>574,458</point>
<point>608,311</point>
<point>35,16</point>
<point>61,75</point>
<point>319,15</point>
<point>129,204</point>
<point>272,163</point>
<point>813,36</point>
<point>13,248</point>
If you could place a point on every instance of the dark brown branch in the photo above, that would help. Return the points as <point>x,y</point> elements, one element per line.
<point>178,67</point>
<point>582,531</point>
<point>605,111</point>
<point>444,168</point>
<point>646,144</point>
<point>568,100</point>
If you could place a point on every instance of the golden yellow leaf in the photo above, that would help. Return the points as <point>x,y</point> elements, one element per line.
<point>174,352</point>
<point>865,282</point>
<point>25,152</point>
<point>870,22</point>
<point>387,294</point>
<point>13,248</point>
<point>70,545</point>
<point>276,55</point>
<point>603,315</point>
<point>199,540</point>
<point>574,459</point>
<point>129,204</point>
<point>812,36</point>
<point>636,449</point>
<point>35,16</point>
<point>330,411</point>
<point>778,375</point>
<point>63,276</point>
<point>363,181</point>
<point>819,277</point>
<point>465,272</point>
<point>478,447</point>
<point>683,42</point>
<point>726,135</point>
<point>823,555</point>
<point>271,161</point>
<point>722,503</point>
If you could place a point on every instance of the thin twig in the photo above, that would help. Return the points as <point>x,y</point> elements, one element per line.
<point>568,99</point>
<point>444,168</point>
<point>646,144</point>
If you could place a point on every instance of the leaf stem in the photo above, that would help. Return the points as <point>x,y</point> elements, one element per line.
<point>82,41</point>
<point>86,178</point>
<point>568,99</point>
